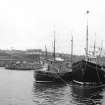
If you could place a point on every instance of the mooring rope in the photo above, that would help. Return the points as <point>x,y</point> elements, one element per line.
<point>97,73</point>
<point>58,71</point>
<point>62,79</point>
<point>96,68</point>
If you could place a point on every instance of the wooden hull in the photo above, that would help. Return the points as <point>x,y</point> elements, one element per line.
<point>48,76</point>
<point>85,72</point>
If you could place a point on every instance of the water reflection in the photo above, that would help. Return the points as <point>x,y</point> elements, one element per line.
<point>61,94</point>
<point>51,94</point>
<point>20,88</point>
<point>48,86</point>
<point>87,96</point>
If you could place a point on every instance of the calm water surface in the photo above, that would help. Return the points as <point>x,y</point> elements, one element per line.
<point>20,88</point>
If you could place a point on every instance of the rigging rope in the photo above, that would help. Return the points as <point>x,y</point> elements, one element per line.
<point>62,79</point>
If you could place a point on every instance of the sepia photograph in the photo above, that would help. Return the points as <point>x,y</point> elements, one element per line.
<point>52,52</point>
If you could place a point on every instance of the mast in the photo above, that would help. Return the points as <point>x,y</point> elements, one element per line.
<point>94,52</point>
<point>101,48</point>
<point>87,12</point>
<point>102,61</point>
<point>46,51</point>
<point>72,50</point>
<point>54,47</point>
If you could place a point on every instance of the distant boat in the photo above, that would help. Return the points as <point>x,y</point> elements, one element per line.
<point>23,66</point>
<point>54,70</point>
<point>87,71</point>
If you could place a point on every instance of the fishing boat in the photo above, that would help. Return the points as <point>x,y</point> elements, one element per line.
<point>88,71</point>
<point>53,73</point>
<point>54,70</point>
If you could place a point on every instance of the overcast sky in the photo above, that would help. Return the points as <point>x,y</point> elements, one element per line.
<point>26,24</point>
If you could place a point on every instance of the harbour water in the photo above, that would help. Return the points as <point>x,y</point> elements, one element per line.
<point>20,88</point>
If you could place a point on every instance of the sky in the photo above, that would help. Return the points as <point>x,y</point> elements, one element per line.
<point>30,24</point>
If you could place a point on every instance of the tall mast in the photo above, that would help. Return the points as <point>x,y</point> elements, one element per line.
<point>87,12</point>
<point>72,50</point>
<point>94,52</point>
<point>54,47</point>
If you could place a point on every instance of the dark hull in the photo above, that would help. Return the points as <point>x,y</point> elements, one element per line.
<point>47,76</point>
<point>85,72</point>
